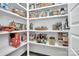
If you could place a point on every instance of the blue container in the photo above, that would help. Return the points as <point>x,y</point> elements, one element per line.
<point>4,6</point>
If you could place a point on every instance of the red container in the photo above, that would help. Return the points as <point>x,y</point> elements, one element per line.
<point>15,40</point>
<point>8,28</point>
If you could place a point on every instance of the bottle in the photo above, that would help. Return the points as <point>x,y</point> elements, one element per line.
<point>66,25</point>
<point>31,26</point>
<point>62,11</point>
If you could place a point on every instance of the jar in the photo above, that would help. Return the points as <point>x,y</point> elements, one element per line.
<point>60,39</point>
<point>55,12</point>
<point>51,40</point>
<point>65,41</point>
<point>16,11</point>
<point>21,13</point>
<point>13,10</point>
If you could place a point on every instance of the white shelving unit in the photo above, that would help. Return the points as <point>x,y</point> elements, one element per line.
<point>7,16</point>
<point>46,48</point>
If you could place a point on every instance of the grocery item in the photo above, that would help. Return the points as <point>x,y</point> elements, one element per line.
<point>8,28</point>
<point>41,28</point>
<point>32,36</point>
<point>51,40</point>
<point>24,37</point>
<point>44,38</point>
<point>38,5</point>
<point>4,6</point>
<point>24,27</point>
<point>65,39</point>
<point>43,13</point>
<point>12,24</point>
<point>32,6</point>
<point>66,25</point>
<point>62,11</point>
<point>19,12</point>
<point>41,38</point>
<point>18,26</point>
<point>31,26</point>
<point>50,12</point>
<point>14,10</point>
<point>1,27</point>
<point>33,14</point>
<point>14,40</point>
<point>60,39</point>
<point>57,26</point>
<point>56,12</point>
<point>53,12</point>
<point>21,27</point>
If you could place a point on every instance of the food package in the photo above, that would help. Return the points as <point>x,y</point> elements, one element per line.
<point>14,40</point>
<point>24,37</point>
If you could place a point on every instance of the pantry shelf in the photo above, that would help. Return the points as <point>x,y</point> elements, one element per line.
<point>7,50</point>
<point>49,17</point>
<point>56,46</point>
<point>49,30</point>
<point>4,32</point>
<point>11,13</point>
<point>47,7</point>
<point>30,23</point>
